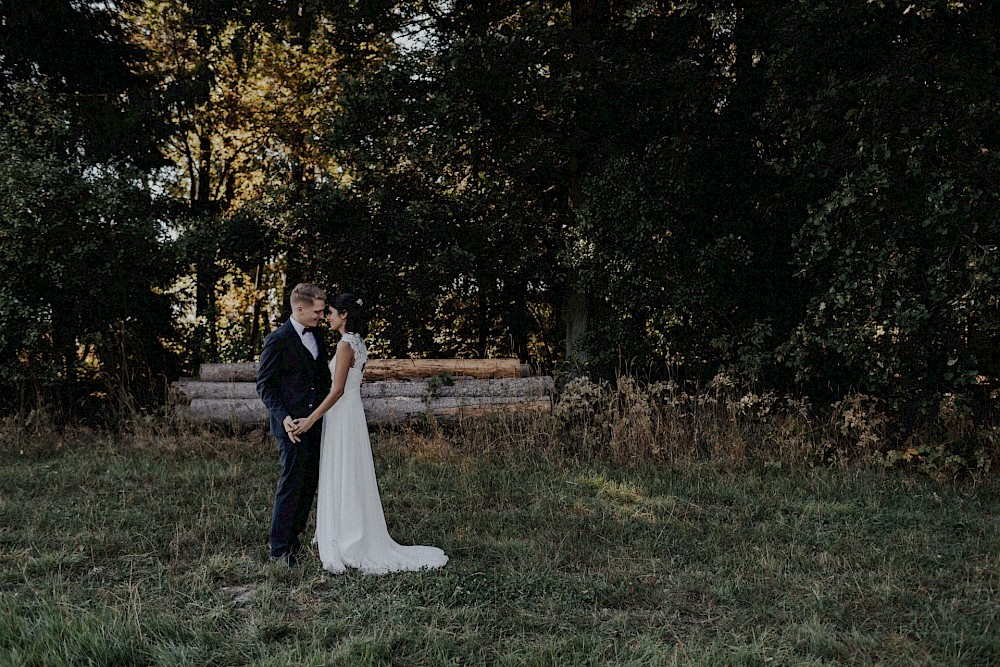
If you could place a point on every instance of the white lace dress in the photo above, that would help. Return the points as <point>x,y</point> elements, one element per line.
<point>350,524</point>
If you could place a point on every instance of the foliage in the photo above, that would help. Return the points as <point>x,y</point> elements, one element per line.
<point>735,425</point>
<point>899,250</point>
<point>801,196</point>
<point>459,219</point>
<point>818,213</point>
<point>83,52</point>
<point>434,384</point>
<point>84,258</point>
<point>246,84</point>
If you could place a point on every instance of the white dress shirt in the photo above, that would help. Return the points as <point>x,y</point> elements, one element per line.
<point>307,338</point>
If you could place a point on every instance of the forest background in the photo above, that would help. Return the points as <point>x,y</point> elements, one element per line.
<point>799,198</point>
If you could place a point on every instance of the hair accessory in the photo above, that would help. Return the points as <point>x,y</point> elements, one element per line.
<point>360,302</point>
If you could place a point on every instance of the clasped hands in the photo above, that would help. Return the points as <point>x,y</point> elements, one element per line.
<point>296,427</point>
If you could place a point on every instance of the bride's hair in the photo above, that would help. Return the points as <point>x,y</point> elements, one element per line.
<point>357,322</point>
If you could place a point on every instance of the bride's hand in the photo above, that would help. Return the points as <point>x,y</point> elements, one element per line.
<point>302,425</point>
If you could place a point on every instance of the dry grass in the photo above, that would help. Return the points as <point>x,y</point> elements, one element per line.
<point>625,422</point>
<point>629,422</point>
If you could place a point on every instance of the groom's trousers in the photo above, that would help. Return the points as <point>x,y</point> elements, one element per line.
<point>296,490</point>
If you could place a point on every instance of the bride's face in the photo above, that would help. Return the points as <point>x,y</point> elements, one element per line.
<point>335,318</point>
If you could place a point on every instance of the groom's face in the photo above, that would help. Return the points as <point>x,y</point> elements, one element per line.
<point>310,315</point>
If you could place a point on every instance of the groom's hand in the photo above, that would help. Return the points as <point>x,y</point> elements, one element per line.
<point>289,425</point>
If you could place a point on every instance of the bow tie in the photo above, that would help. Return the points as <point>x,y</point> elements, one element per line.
<point>306,330</point>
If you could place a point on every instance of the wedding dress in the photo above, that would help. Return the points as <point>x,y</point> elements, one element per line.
<point>350,523</point>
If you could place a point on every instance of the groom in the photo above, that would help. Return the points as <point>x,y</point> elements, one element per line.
<point>292,379</point>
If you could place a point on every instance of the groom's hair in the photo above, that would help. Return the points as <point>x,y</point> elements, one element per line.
<point>305,294</point>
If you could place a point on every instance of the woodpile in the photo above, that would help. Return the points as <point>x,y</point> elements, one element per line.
<point>394,390</point>
<point>389,369</point>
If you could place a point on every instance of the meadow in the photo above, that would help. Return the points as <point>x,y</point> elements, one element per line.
<point>119,550</point>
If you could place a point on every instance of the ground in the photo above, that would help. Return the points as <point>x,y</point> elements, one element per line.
<point>118,554</point>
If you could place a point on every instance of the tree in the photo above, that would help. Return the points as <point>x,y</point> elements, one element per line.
<point>80,241</point>
<point>84,263</point>
<point>82,52</point>
<point>898,245</point>
<point>247,84</point>
<point>817,212</point>
<point>457,153</point>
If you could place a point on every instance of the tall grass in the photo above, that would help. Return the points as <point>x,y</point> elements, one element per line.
<point>627,421</point>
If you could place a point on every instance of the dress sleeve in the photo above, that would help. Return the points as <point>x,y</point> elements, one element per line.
<point>359,349</point>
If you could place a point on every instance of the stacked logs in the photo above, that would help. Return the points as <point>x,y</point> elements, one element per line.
<point>394,390</point>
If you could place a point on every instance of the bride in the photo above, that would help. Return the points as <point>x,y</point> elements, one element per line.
<point>350,524</point>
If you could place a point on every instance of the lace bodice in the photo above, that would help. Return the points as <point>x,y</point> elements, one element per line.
<point>360,349</point>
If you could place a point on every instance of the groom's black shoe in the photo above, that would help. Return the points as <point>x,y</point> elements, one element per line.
<point>288,561</point>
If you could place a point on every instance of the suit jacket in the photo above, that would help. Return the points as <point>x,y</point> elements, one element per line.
<point>289,381</point>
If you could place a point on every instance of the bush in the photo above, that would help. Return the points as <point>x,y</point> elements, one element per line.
<point>84,259</point>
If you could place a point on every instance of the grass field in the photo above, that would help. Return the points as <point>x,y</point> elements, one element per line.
<point>114,554</point>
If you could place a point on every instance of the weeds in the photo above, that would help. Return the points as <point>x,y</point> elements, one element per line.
<point>626,422</point>
<point>733,427</point>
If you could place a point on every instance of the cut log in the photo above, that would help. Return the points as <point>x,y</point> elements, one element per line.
<point>384,369</point>
<point>401,409</point>
<point>242,372</point>
<point>223,411</point>
<point>381,410</point>
<point>186,390</point>
<point>529,387</point>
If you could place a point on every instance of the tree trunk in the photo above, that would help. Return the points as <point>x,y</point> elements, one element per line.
<point>519,319</point>
<point>575,312</point>
<point>256,340</point>
<point>298,267</point>
<point>588,20</point>
<point>296,263</point>
<point>206,272</point>
<point>483,320</point>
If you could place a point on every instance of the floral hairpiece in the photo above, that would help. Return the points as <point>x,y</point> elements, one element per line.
<point>360,302</point>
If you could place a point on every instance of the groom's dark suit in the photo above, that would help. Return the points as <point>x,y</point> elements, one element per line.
<point>291,383</point>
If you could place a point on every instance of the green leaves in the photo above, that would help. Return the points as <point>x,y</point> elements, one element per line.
<point>802,194</point>
<point>80,248</point>
<point>887,252</point>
